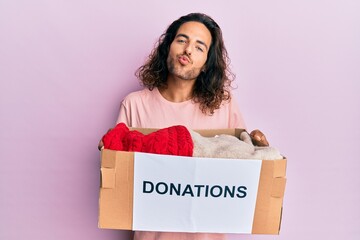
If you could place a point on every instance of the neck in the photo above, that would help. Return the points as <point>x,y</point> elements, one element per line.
<point>178,90</point>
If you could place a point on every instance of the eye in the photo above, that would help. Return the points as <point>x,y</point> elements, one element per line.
<point>200,49</point>
<point>181,41</point>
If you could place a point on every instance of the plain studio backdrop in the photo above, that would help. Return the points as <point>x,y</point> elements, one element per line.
<point>66,65</point>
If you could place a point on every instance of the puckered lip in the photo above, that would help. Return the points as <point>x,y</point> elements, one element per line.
<point>184,59</point>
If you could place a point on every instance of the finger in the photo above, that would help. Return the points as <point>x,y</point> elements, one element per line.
<point>100,145</point>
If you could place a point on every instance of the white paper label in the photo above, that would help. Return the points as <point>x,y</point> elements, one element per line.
<point>188,194</point>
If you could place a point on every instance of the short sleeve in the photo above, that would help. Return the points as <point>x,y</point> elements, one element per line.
<point>123,115</point>
<point>236,118</point>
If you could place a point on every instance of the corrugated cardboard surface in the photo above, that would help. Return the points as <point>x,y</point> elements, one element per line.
<point>117,182</point>
<point>270,197</point>
<point>116,191</point>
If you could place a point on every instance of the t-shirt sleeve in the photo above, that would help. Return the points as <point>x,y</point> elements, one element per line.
<point>236,118</point>
<point>123,115</point>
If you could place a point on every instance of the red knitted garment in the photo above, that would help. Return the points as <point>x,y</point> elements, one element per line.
<point>175,140</point>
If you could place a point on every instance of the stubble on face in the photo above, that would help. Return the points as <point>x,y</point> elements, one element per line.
<point>190,74</point>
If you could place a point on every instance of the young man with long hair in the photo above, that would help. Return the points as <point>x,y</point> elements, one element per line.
<point>186,82</point>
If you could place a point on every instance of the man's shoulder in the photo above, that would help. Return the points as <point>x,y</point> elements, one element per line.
<point>137,95</point>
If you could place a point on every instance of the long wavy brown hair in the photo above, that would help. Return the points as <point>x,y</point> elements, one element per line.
<point>212,86</point>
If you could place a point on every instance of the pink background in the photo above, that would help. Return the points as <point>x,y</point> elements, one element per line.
<point>66,65</point>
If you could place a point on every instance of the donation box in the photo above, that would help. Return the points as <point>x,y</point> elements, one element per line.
<point>152,192</point>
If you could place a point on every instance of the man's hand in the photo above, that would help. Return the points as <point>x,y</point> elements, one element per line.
<point>101,144</point>
<point>258,138</point>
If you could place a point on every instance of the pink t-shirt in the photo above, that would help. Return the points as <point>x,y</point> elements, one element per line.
<point>149,109</point>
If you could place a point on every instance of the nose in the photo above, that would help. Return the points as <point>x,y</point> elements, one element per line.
<point>188,50</point>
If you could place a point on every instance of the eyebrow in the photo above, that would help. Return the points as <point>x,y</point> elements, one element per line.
<point>187,37</point>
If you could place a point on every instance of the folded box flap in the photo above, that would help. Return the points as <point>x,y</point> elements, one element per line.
<point>116,192</point>
<point>107,158</point>
<point>269,201</point>
<point>279,168</point>
<point>278,187</point>
<point>107,178</point>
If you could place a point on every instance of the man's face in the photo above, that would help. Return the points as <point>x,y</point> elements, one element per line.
<point>188,51</point>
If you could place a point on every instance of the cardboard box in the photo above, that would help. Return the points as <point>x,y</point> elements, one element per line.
<point>116,203</point>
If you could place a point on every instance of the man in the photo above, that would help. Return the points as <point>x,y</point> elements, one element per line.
<point>187,82</point>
